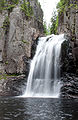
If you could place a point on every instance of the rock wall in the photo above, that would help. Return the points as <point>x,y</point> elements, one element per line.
<point>68,20</point>
<point>17,35</point>
<point>69,71</point>
<point>68,24</point>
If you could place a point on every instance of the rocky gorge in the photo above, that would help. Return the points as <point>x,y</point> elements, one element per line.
<point>18,38</point>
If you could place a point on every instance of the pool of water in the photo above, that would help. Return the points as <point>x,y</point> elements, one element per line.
<point>16,108</point>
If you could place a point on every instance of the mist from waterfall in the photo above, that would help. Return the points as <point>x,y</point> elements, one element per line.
<point>44,75</point>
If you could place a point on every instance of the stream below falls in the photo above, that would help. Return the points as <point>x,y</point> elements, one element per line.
<point>17,108</point>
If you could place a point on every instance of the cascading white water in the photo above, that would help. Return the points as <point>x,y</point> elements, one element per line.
<point>44,75</point>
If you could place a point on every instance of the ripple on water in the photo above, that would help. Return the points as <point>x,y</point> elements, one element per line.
<point>38,109</point>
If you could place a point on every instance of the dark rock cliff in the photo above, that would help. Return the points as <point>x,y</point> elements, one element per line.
<point>68,24</point>
<point>69,71</point>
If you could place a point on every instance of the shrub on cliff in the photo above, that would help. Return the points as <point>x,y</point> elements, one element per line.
<point>2,4</point>
<point>54,23</point>
<point>61,5</point>
<point>6,24</point>
<point>13,1</point>
<point>8,5</point>
<point>27,9</point>
<point>54,20</point>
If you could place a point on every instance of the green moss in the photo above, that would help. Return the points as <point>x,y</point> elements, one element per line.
<point>73,39</point>
<point>24,41</point>
<point>6,62</point>
<point>3,76</point>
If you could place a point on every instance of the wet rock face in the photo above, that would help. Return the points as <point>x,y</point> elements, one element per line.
<point>69,70</point>
<point>13,85</point>
<point>69,88</point>
<point>68,63</point>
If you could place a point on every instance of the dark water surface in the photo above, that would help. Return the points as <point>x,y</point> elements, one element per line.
<point>38,109</point>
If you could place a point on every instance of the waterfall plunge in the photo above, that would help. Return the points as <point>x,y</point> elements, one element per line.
<point>44,75</point>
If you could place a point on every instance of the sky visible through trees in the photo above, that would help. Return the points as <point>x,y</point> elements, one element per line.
<point>48,7</point>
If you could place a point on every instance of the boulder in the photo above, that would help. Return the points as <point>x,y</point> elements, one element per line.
<point>12,85</point>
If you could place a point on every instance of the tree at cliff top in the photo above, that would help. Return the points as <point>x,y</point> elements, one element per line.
<point>46,30</point>
<point>62,5</point>
<point>8,4</point>
<point>61,8</point>
<point>26,8</point>
<point>54,20</point>
<point>54,23</point>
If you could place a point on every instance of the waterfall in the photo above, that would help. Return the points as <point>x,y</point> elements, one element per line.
<point>44,75</point>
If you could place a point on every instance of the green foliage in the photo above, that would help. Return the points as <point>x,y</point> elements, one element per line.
<point>14,1</point>
<point>46,31</point>
<point>6,24</point>
<point>10,8</point>
<point>75,6</point>
<point>45,27</point>
<point>27,9</point>
<point>6,76</point>
<point>61,5</point>
<point>3,76</point>
<point>2,4</point>
<point>8,4</point>
<point>38,3</point>
<point>57,18</point>
<point>61,8</point>
<point>24,41</point>
<point>54,23</point>
<point>6,62</point>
